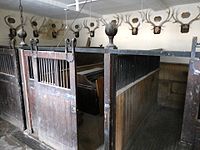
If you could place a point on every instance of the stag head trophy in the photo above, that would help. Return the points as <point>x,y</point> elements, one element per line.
<point>76,30</point>
<point>91,28</point>
<point>185,27</point>
<point>10,22</point>
<point>55,31</point>
<point>34,24</point>
<point>111,29</point>
<point>158,19</point>
<point>133,21</point>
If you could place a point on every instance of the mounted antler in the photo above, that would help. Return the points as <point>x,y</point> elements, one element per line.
<point>55,32</point>
<point>185,26</point>
<point>169,16</point>
<point>119,19</point>
<point>77,28</point>
<point>134,20</point>
<point>10,21</point>
<point>157,28</point>
<point>91,29</point>
<point>34,25</point>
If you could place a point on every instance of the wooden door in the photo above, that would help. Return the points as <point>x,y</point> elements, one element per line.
<point>49,85</point>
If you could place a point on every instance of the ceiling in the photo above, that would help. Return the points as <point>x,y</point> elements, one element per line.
<point>55,8</point>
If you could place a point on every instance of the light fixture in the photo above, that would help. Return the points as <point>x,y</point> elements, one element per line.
<point>21,33</point>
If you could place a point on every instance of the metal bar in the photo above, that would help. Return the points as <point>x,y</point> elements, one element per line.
<point>67,75</point>
<point>42,71</point>
<point>63,74</point>
<point>51,62</point>
<point>46,71</point>
<point>60,69</point>
<point>110,63</point>
<point>39,69</point>
<point>194,44</point>
<point>56,72</point>
<point>49,71</point>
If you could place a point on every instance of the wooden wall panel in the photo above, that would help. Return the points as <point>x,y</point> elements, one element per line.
<point>172,85</point>
<point>133,103</point>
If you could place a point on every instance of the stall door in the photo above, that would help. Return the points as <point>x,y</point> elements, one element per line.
<point>50,95</point>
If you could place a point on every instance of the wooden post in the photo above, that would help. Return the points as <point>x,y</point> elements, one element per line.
<point>110,63</point>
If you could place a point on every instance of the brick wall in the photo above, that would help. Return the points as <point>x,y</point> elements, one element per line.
<point>172,85</point>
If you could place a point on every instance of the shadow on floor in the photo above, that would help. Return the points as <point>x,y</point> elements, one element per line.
<point>161,130</point>
<point>90,132</point>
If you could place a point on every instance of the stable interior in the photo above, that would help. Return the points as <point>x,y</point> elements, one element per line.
<point>94,94</point>
<point>149,108</point>
<point>90,100</point>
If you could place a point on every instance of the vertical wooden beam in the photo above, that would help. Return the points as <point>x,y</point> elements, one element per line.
<point>25,78</point>
<point>19,84</point>
<point>110,72</point>
<point>191,118</point>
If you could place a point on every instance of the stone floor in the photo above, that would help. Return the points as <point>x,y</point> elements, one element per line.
<point>7,140</point>
<point>90,135</point>
<point>91,132</point>
<point>160,131</point>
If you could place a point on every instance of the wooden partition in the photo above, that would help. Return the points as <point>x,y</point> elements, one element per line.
<point>133,104</point>
<point>131,84</point>
<point>11,103</point>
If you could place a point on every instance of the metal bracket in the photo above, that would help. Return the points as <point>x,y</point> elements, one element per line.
<point>70,46</point>
<point>34,45</point>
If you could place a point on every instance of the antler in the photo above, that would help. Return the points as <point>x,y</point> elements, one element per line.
<point>175,17</point>
<point>97,25</point>
<point>169,16</point>
<point>70,28</point>
<point>127,20</point>
<point>119,19</point>
<point>196,18</point>
<point>42,25</point>
<point>85,25</point>
<point>31,20</point>
<point>6,21</point>
<point>103,21</point>
<point>148,18</point>
<point>62,27</point>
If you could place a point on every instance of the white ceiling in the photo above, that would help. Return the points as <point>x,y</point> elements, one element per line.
<point>55,8</point>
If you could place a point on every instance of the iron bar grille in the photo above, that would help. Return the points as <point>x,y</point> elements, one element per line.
<point>7,64</point>
<point>51,71</point>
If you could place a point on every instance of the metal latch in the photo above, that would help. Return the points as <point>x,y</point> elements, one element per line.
<point>73,109</point>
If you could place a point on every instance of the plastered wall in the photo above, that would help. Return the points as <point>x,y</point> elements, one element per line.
<point>169,39</point>
<point>4,30</point>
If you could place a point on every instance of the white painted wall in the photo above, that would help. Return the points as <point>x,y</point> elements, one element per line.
<point>170,38</point>
<point>4,30</point>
